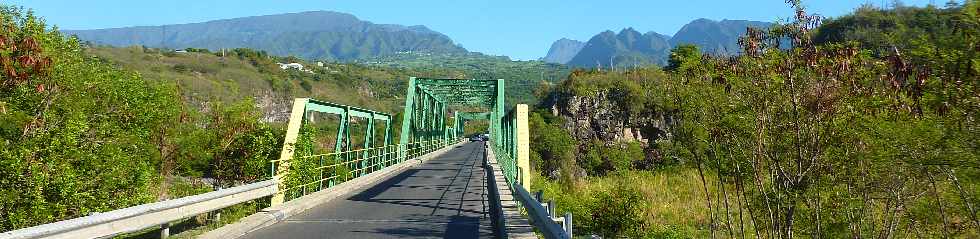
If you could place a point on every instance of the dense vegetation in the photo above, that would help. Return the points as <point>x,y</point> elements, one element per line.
<point>81,136</point>
<point>872,134</point>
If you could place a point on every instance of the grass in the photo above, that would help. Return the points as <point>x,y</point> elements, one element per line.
<point>677,207</point>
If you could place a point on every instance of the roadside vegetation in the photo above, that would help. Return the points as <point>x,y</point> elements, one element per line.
<point>81,136</point>
<point>866,128</point>
<point>87,129</point>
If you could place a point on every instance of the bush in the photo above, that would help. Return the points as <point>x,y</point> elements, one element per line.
<point>620,213</point>
<point>551,146</point>
<point>598,158</point>
<point>77,135</point>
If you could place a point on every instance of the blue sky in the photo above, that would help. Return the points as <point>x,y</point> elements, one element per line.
<point>521,29</point>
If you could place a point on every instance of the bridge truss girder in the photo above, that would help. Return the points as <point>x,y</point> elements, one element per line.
<point>429,101</point>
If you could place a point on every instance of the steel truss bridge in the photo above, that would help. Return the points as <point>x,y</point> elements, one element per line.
<point>340,175</point>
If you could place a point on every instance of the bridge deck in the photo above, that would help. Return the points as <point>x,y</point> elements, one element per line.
<point>445,197</point>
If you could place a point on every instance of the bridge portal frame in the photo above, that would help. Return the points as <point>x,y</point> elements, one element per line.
<point>301,112</point>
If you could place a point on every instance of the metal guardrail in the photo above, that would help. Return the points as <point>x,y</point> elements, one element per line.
<point>543,216</point>
<point>144,216</point>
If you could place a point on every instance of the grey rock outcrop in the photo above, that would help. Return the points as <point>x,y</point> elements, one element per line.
<point>600,117</point>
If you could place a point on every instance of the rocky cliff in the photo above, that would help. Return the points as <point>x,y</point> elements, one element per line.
<point>603,117</point>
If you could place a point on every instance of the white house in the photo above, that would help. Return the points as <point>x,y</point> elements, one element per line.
<point>293,65</point>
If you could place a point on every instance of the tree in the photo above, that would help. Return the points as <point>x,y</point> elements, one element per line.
<point>683,55</point>
<point>77,135</point>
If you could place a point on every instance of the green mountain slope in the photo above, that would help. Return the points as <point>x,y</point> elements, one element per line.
<point>628,48</point>
<point>310,35</point>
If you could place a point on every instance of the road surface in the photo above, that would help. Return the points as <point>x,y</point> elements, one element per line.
<point>445,197</point>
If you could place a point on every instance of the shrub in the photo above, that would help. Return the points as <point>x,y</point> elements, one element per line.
<point>620,213</point>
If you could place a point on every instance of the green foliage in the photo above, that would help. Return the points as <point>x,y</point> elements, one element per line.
<point>873,134</point>
<point>552,148</point>
<point>600,158</point>
<point>683,57</point>
<point>199,50</point>
<point>620,213</point>
<point>79,137</point>
<point>303,169</point>
<point>246,74</point>
<point>245,146</point>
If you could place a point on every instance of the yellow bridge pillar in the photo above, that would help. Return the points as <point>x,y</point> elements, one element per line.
<point>523,157</point>
<point>288,146</point>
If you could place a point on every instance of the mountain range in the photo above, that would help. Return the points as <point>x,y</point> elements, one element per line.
<point>344,37</point>
<point>310,35</point>
<point>630,47</point>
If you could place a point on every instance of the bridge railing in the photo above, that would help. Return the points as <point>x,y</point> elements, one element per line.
<point>338,167</point>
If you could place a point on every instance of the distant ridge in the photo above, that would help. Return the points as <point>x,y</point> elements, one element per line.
<point>629,47</point>
<point>720,38</point>
<point>310,35</point>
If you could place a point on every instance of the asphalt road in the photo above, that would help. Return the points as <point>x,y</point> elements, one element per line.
<point>445,197</point>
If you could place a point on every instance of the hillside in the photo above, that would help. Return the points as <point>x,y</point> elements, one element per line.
<point>309,35</point>
<point>207,77</point>
<point>563,50</point>
<point>880,30</point>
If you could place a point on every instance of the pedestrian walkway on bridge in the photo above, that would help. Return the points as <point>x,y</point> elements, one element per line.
<point>444,197</point>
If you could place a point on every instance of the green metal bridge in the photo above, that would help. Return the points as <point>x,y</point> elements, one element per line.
<point>340,175</point>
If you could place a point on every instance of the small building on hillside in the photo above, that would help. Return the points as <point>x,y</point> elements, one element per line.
<point>293,65</point>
